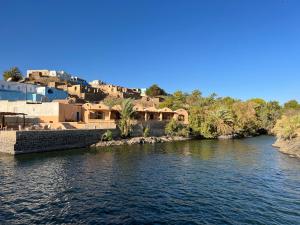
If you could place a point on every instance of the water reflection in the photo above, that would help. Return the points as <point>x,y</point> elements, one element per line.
<point>203,182</point>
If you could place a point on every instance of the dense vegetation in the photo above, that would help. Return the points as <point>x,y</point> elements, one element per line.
<point>213,116</point>
<point>155,90</point>
<point>13,74</point>
<point>174,128</point>
<point>288,126</point>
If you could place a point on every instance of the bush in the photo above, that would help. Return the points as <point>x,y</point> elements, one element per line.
<point>146,131</point>
<point>287,127</point>
<point>107,136</point>
<point>174,128</point>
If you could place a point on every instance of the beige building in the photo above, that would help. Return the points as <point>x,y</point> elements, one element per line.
<point>46,112</point>
<point>117,91</point>
<point>61,75</point>
<point>88,116</point>
<point>100,113</point>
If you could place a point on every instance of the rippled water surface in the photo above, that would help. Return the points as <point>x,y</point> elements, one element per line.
<point>195,182</point>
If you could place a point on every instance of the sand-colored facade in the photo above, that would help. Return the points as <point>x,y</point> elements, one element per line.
<point>98,113</point>
<point>46,112</point>
<point>88,116</point>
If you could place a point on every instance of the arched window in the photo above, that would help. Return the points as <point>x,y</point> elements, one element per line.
<point>50,91</point>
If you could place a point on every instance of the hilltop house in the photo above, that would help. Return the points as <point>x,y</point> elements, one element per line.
<point>37,74</point>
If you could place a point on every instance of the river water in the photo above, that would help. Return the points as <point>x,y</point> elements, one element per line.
<point>193,182</point>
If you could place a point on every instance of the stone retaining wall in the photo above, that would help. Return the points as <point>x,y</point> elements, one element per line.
<point>18,142</point>
<point>157,128</point>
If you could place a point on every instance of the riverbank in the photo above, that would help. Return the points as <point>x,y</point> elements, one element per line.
<point>139,140</point>
<point>290,147</point>
<point>21,142</point>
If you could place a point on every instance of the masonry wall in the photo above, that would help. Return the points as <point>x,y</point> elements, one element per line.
<point>19,142</point>
<point>157,128</point>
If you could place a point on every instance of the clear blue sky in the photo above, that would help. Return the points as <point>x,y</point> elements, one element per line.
<point>235,48</point>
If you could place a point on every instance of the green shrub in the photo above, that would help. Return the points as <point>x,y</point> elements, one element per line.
<point>107,136</point>
<point>174,128</point>
<point>146,131</point>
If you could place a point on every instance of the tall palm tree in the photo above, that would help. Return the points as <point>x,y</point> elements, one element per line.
<point>127,111</point>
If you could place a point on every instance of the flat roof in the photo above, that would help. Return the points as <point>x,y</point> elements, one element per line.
<point>11,114</point>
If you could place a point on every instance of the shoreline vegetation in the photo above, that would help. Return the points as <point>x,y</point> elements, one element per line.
<point>287,130</point>
<point>212,117</point>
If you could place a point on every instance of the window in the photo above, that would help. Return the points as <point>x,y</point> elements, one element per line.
<point>181,118</point>
<point>166,116</point>
<point>97,115</point>
<point>50,91</point>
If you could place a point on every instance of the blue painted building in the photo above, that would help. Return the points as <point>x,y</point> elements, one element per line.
<point>51,93</point>
<point>14,91</point>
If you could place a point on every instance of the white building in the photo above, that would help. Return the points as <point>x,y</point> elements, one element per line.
<point>97,83</point>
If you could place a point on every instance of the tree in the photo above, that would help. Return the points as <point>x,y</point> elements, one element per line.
<point>222,120</point>
<point>268,114</point>
<point>287,127</point>
<point>194,97</point>
<point>258,101</point>
<point>155,90</point>
<point>291,105</point>
<point>127,111</point>
<point>13,73</point>
<point>175,101</point>
<point>246,120</point>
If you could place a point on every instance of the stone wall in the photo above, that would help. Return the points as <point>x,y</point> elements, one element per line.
<point>19,142</point>
<point>157,128</point>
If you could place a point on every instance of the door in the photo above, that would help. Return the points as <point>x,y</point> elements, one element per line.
<point>77,116</point>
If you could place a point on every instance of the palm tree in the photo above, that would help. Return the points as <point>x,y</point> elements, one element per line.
<point>126,113</point>
<point>223,121</point>
<point>13,74</point>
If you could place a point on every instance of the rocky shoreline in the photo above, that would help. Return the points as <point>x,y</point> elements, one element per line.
<point>290,147</point>
<point>139,140</point>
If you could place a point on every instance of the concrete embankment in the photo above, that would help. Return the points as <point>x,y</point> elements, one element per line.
<point>290,147</point>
